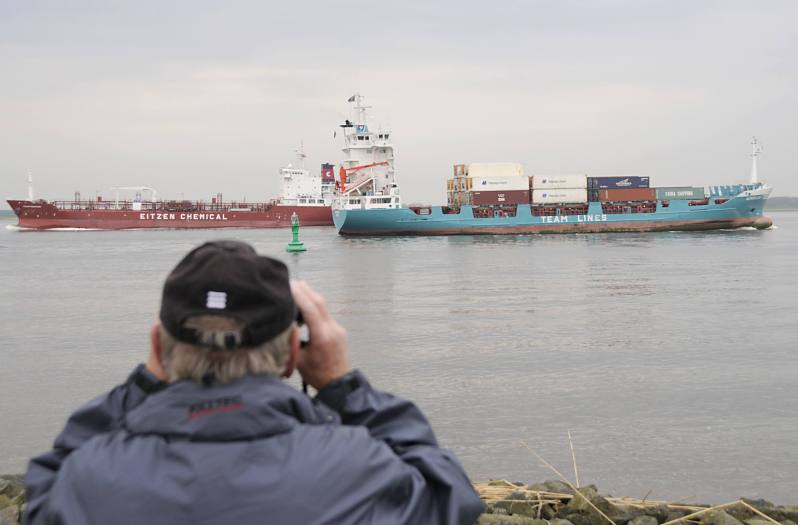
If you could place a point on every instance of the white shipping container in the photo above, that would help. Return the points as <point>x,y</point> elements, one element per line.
<point>559,182</point>
<point>555,196</point>
<point>495,169</point>
<point>499,183</point>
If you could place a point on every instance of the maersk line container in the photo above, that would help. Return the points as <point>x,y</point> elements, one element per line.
<point>628,195</point>
<point>499,183</point>
<point>680,193</point>
<point>617,183</point>
<point>559,196</point>
<point>495,169</point>
<point>559,182</point>
<point>486,198</point>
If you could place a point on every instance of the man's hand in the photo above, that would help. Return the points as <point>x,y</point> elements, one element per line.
<point>325,358</point>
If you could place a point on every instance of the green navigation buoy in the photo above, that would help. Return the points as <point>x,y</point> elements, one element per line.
<point>295,245</point>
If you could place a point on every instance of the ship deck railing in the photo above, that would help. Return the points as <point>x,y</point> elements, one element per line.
<point>161,206</point>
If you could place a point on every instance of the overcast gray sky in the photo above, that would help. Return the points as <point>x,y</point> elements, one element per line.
<point>199,97</point>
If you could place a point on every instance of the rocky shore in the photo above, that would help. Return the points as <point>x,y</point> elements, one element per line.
<point>550,503</point>
<point>557,503</point>
<point>12,499</point>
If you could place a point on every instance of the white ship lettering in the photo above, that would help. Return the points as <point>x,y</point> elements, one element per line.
<point>591,218</point>
<point>203,216</point>
<point>577,218</point>
<point>183,216</point>
<point>156,216</point>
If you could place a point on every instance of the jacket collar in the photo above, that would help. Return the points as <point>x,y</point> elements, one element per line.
<point>251,407</point>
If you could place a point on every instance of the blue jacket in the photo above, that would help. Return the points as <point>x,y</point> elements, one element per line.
<point>252,451</point>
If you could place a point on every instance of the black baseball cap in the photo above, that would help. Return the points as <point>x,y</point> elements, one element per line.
<point>228,279</point>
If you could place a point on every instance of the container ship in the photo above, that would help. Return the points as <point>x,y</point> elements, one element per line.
<point>308,195</point>
<point>499,199</point>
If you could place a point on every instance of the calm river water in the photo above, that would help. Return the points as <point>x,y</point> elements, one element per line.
<point>671,357</point>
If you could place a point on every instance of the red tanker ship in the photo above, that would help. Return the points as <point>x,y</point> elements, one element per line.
<point>309,196</point>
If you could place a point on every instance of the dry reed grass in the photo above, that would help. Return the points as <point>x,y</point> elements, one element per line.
<point>501,490</point>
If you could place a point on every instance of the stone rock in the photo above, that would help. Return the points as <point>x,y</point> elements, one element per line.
<point>560,522</point>
<point>497,483</point>
<point>554,485</point>
<point>586,519</point>
<point>676,514</point>
<point>757,521</point>
<point>515,504</point>
<point>580,503</point>
<point>760,504</point>
<point>719,517</point>
<point>623,514</point>
<point>661,513</point>
<point>9,515</point>
<point>548,512</point>
<point>493,519</point>
<point>644,520</point>
<point>12,486</point>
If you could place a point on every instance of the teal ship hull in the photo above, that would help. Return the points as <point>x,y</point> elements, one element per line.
<point>726,207</point>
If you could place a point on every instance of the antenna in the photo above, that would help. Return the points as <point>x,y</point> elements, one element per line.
<point>756,149</point>
<point>30,187</point>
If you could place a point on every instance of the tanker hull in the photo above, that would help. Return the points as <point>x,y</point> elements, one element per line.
<point>40,215</point>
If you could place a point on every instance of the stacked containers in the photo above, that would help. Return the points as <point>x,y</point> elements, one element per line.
<point>456,185</point>
<point>559,189</point>
<point>627,195</point>
<point>617,183</point>
<point>495,169</point>
<point>680,193</point>
<point>487,184</point>
<point>499,190</point>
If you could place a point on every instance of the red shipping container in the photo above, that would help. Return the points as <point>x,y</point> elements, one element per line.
<point>628,194</point>
<point>486,198</point>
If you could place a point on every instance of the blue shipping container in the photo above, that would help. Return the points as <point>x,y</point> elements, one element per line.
<point>616,183</point>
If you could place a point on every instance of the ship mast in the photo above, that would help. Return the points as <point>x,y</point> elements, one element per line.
<point>357,98</point>
<point>300,155</point>
<point>30,187</point>
<point>756,149</point>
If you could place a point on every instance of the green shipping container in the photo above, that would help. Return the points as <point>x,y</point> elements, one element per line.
<point>680,193</point>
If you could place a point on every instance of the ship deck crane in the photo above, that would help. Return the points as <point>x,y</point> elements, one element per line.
<point>342,172</point>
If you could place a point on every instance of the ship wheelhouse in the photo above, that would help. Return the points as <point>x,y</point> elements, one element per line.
<point>366,175</point>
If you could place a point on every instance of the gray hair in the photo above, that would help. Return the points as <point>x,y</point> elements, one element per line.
<point>185,361</point>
